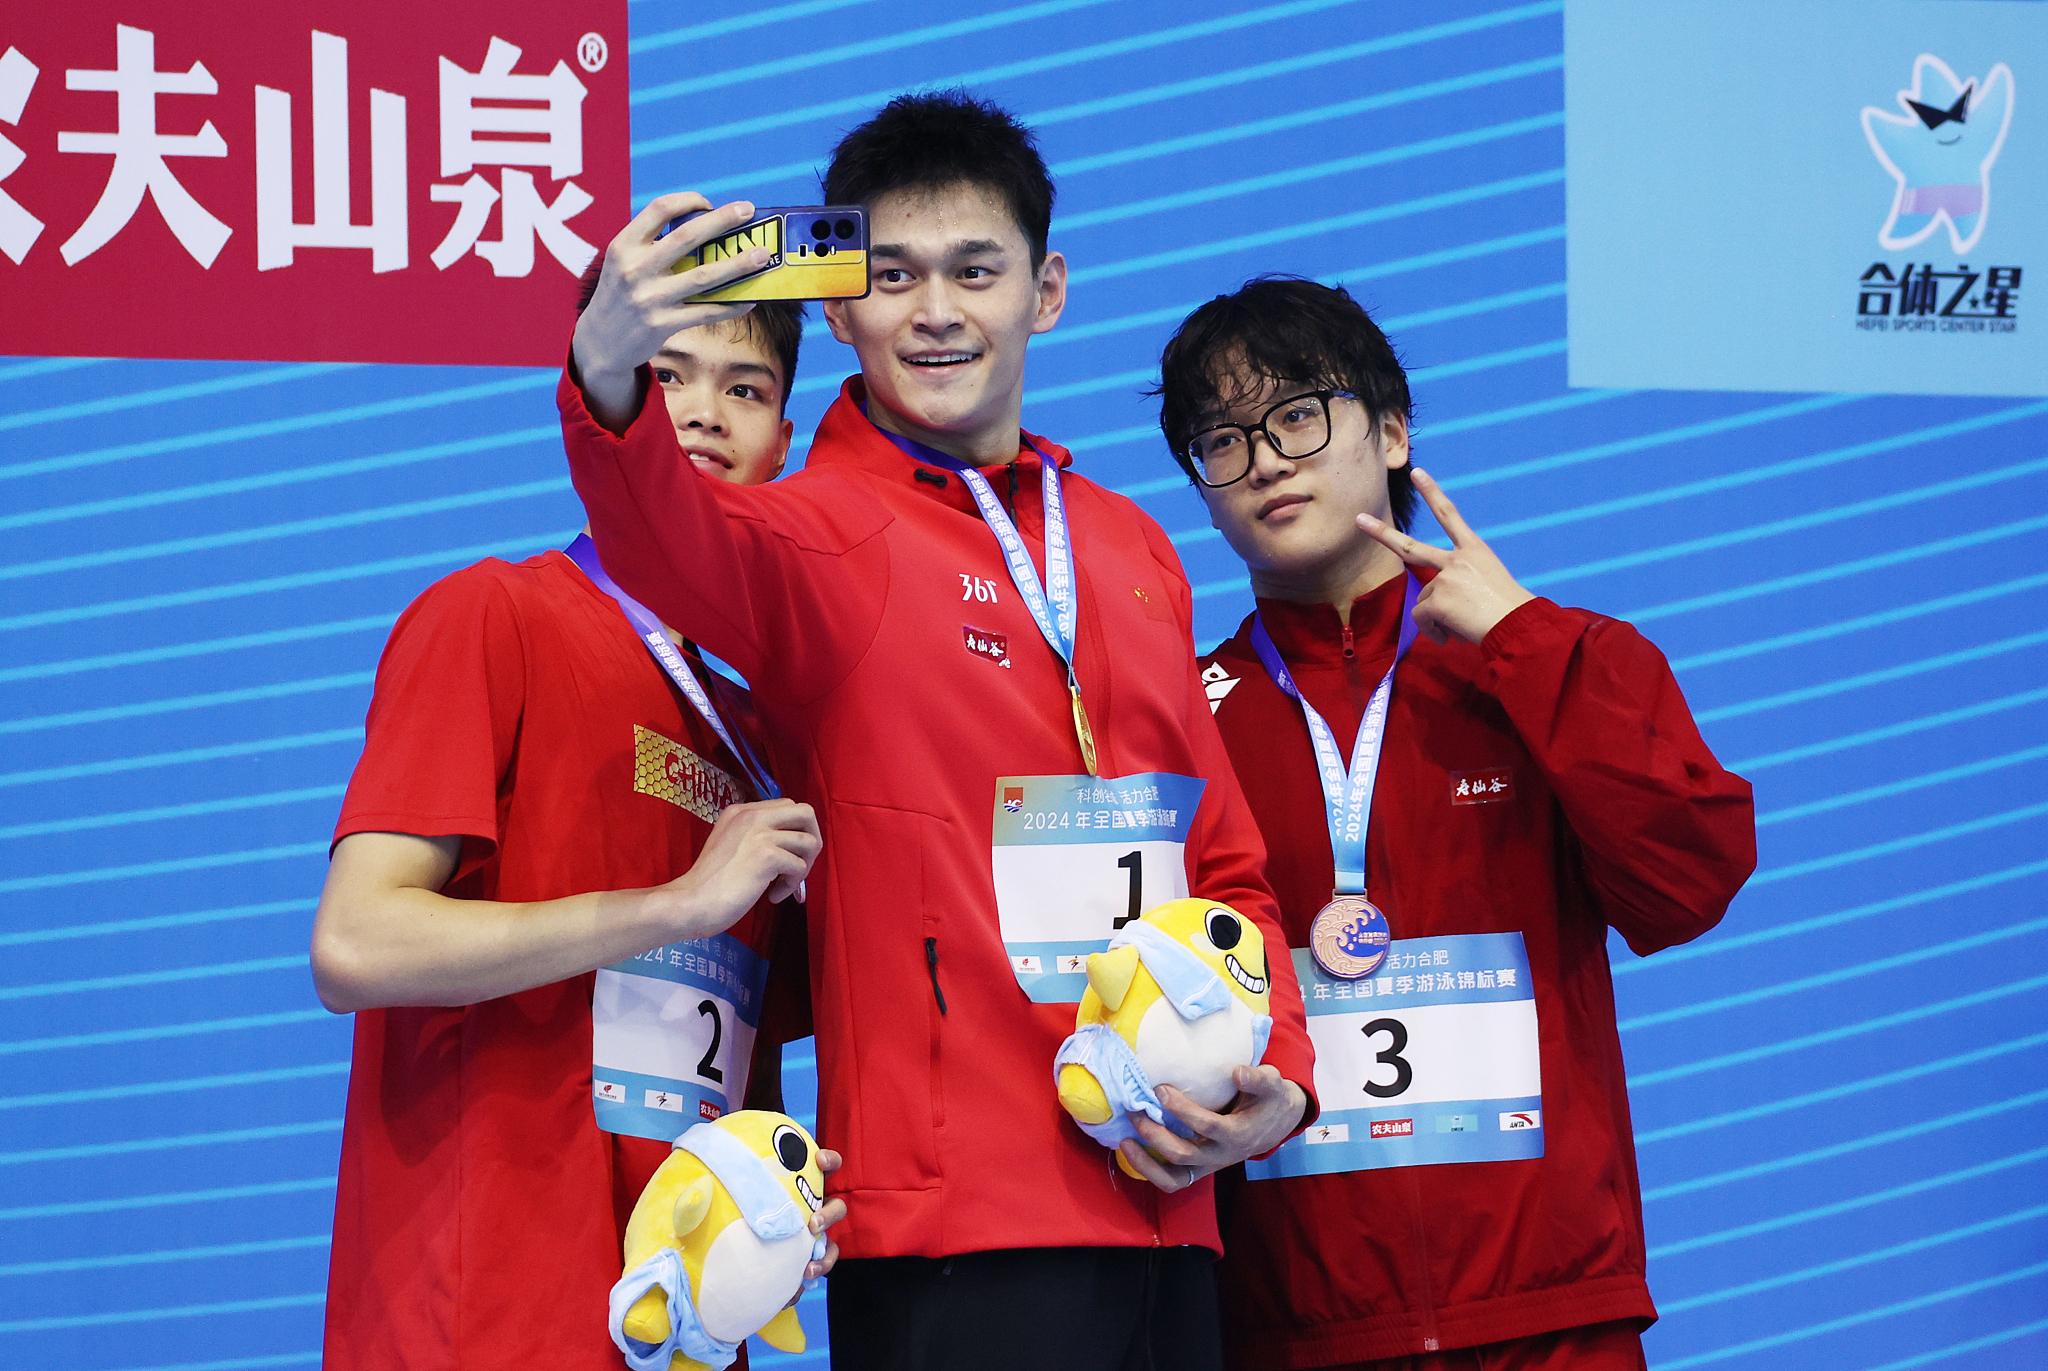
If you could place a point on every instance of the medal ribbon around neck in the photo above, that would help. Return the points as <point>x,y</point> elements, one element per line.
<point>583,553</point>
<point>1347,796</point>
<point>1053,606</point>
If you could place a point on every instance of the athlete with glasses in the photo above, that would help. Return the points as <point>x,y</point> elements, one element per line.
<point>1449,840</point>
<point>1296,427</point>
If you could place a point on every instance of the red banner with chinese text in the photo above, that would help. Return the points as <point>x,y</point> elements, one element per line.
<point>365,181</point>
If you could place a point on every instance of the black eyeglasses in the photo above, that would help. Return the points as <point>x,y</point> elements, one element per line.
<point>1296,427</point>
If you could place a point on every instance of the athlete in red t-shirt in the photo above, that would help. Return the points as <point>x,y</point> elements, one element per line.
<point>1529,776</point>
<point>537,806</point>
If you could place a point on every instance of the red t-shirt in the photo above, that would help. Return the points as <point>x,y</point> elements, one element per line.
<point>480,1208</point>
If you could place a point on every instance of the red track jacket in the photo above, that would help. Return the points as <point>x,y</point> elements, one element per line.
<point>839,594</point>
<point>1615,813</point>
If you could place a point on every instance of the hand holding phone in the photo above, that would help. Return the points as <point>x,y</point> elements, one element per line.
<point>816,252</point>
<point>640,302</point>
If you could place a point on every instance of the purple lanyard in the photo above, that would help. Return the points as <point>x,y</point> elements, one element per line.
<point>583,553</point>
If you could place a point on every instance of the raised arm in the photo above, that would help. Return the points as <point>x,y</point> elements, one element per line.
<point>642,301</point>
<point>1669,835</point>
<point>732,567</point>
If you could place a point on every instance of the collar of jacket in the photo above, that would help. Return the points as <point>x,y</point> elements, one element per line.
<point>1313,634</point>
<point>848,438</point>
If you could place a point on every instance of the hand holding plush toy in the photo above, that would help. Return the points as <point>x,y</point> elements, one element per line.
<point>1179,999</point>
<point>718,1243</point>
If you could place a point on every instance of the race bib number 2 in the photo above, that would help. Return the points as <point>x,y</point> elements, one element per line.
<point>1078,857</point>
<point>1430,1060</point>
<point>672,1035</point>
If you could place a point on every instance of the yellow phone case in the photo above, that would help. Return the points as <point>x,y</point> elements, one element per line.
<point>816,253</point>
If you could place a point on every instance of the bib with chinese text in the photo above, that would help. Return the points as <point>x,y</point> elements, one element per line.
<point>1078,857</point>
<point>1432,1060</point>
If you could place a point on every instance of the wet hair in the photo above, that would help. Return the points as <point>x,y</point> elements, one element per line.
<point>777,325</point>
<point>936,139</point>
<point>1281,330</point>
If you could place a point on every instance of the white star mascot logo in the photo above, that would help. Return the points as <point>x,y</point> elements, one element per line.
<point>1940,151</point>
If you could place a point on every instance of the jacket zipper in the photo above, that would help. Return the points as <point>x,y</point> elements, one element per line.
<point>1353,682</point>
<point>931,960</point>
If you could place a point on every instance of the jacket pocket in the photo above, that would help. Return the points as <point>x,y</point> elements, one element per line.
<point>888,978</point>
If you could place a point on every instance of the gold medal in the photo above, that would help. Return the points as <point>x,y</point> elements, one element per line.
<point>1084,733</point>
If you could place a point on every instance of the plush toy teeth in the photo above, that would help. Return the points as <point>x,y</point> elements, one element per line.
<point>1255,985</point>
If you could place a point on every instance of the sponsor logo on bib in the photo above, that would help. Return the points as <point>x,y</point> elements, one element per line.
<point>1393,1128</point>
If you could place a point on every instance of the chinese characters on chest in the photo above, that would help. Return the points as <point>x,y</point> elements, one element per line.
<point>1418,982</point>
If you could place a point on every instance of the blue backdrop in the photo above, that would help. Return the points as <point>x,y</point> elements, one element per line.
<point>1839,1094</point>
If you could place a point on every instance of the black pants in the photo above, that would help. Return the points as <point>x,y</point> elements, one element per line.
<point>1034,1309</point>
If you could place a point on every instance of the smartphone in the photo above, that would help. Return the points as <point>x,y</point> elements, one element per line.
<point>815,252</point>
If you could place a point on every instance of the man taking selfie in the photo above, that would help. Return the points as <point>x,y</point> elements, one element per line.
<point>951,638</point>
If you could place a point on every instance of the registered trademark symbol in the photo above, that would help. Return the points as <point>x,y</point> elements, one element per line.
<point>592,52</point>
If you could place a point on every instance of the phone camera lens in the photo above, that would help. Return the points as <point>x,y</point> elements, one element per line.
<point>844,228</point>
<point>820,229</point>
<point>824,249</point>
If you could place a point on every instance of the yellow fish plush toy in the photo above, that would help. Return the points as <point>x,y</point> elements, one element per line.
<point>717,1245</point>
<point>1179,999</point>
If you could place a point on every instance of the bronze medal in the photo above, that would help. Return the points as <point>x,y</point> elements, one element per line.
<point>1349,938</point>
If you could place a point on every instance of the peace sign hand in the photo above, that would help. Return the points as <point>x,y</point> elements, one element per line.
<point>1473,589</point>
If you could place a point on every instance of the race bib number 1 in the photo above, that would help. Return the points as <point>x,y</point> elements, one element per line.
<point>1078,857</point>
<point>1432,1059</point>
<point>672,1035</point>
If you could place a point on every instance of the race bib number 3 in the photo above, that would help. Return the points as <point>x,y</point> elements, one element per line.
<point>1078,857</point>
<point>1431,1060</point>
<point>672,1035</point>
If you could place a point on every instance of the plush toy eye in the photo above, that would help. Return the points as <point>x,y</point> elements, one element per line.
<point>791,1149</point>
<point>1224,929</point>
